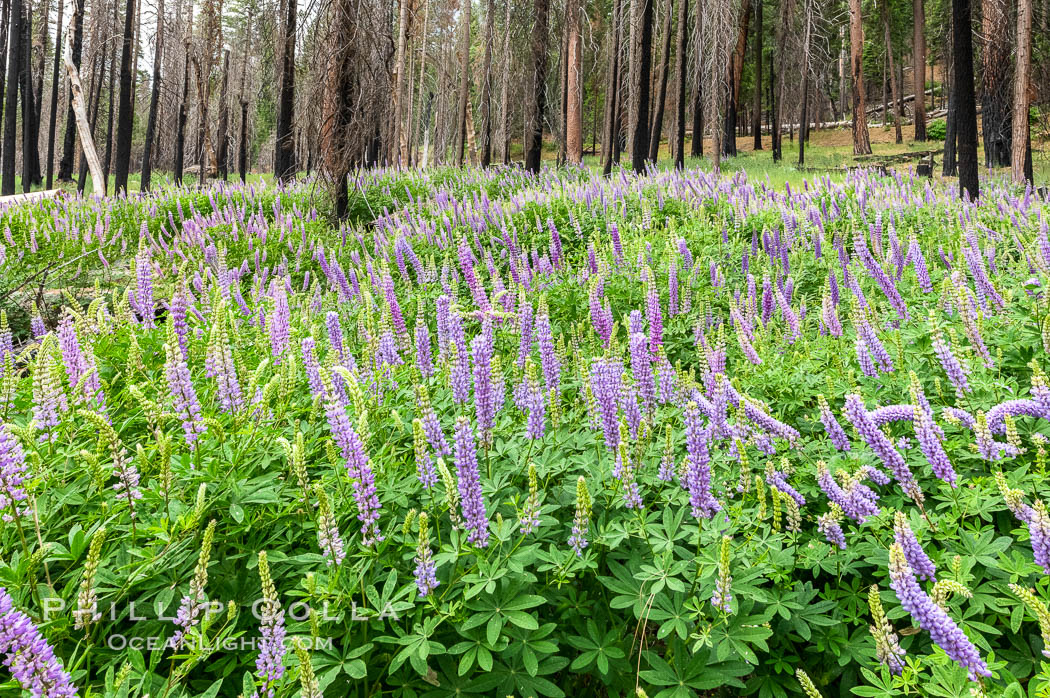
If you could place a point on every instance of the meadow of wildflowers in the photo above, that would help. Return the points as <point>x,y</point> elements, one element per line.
<point>502,434</point>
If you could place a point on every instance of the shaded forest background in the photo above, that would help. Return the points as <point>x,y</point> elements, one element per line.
<point>177,88</point>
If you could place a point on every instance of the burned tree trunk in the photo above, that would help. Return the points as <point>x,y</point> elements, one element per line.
<point>680,58</point>
<point>53,111</point>
<point>284,148</point>
<point>661,88</point>
<point>14,60</point>
<point>65,165</point>
<point>996,102</point>
<point>965,99</point>
<point>126,117</point>
<point>611,130</point>
<point>919,59</point>
<point>536,101</point>
<point>154,101</point>
<point>756,103</point>
<point>641,55</point>
<point>486,89</point>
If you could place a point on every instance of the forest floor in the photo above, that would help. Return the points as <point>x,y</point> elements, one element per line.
<point>829,152</point>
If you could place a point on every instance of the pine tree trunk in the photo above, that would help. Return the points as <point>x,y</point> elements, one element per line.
<point>126,117</point>
<point>504,129</point>
<point>641,55</point>
<point>899,116</point>
<point>222,153</point>
<point>65,165</point>
<point>154,101</point>
<point>486,89</point>
<point>610,130</point>
<point>756,102</point>
<point>681,59</point>
<point>536,101</point>
<point>1021,141</point>
<point>399,143</point>
<point>949,166</point>
<point>52,118</point>
<point>31,174</point>
<point>5,6</point>
<point>14,59</point>
<point>661,86</point>
<point>965,100</point>
<point>804,117</point>
<point>574,87</point>
<point>111,93</point>
<point>861,141</point>
<point>919,74</point>
<point>180,127</point>
<point>736,72</point>
<point>778,99</point>
<point>697,144</point>
<point>284,146</point>
<point>464,82</point>
<point>996,100</point>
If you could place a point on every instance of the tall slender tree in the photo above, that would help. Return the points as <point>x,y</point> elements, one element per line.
<point>736,72</point>
<point>65,164</point>
<point>485,146</point>
<point>784,19</point>
<point>611,129</point>
<point>697,144</point>
<point>996,82</point>
<point>536,101</point>
<point>641,57</point>
<point>126,119</point>
<point>681,59</point>
<point>154,101</point>
<point>14,60</point>
<point>756,101</point>
<point>53,111</point>
<point>919,72</point>
<point>284,147</point>
<point>464,83</point>
<point>803,122</point>
<point>899,116</point>
<point>965,99</point>
<point>861,140</point>
<point>655,133</point>
<point>574,85</point>
<point>1021,154</point>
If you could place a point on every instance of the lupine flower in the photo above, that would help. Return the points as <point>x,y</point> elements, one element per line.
<point>530,514</point>
<point>666,472</point>
<point>424,465</point>
<point>932,618</point>
<point>423,359</point>
<point>313,368</point>
<point>431,423</point>
<point>87,599</point>
<point>269,665</point>
<point>697,478</point>
<point>917,558</point>
<point>606,383</point>
<point>534,403</point>
<point>582,519</point>
<point>335,335</point>
<point>857,501</point>
<point>807,684</point>
<point>426,570</point>
<point>49,399</point>
<point>1037,609</point>
<point>473,503</point>
<point>328,538</point>
<point>484,399</point>
<point>279,320</point>
<point>653,314</point>
<point>144,287</point>
<point>954,367</point>
<point>828,525</point>
<point>777,479</point>
<point>219,364</point>
<point>1039,533</point>
<point>548,357</point>
<point>358,468</point>
<point>195,601</point>
<point>831,425</point>
<point>29,656</point>
<point>12,474</point>
<point>882,446</point>
<point>722,598</point>
<point>887,648</point>
<point>929,435</point>
<point>183,394</point>
<point>918,262</point>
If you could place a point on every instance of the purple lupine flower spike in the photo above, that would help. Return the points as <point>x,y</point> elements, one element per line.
<point>932,618</point>
<point>469,481</point>
<point>29,655</point>
<point>919,562</point>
